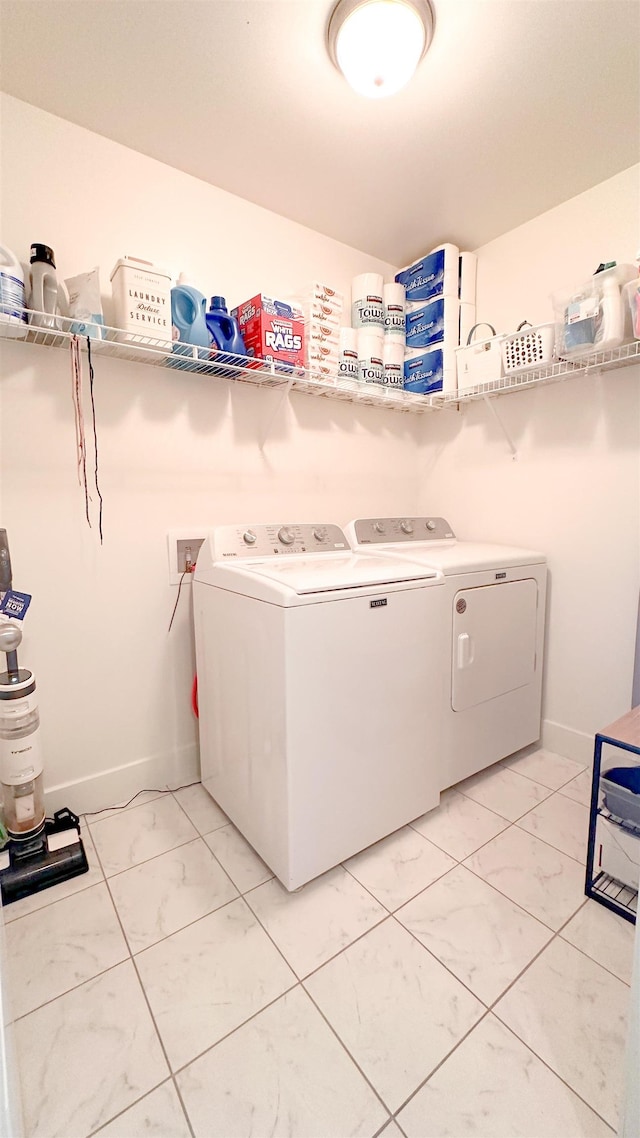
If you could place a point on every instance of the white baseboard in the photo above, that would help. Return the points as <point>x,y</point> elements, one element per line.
<point>566,741</point>
<point>169,769</point>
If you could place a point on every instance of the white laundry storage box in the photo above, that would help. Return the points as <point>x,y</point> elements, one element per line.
<point>141,300</point>
<point>479,361</point>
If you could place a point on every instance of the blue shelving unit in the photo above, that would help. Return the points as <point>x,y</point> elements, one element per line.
<point>614,831</point>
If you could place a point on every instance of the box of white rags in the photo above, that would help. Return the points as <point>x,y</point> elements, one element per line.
<point>430,369</point>
<point>272,330</point>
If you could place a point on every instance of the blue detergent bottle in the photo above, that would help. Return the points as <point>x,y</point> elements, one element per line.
<point>188,307</point>
<point>223,329</point>
<point>225,337</point>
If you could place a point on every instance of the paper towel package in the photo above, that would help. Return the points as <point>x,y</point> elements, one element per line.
<point>322,313</point>
<point>468,268</point>
<point>427,372</point>
<point>467,320</point>
<point>326,352</point>
<point>435,274</point>
<point>324,294</point>
<point>438,320</point>
<point>320,333</point>
<point>323,372</point>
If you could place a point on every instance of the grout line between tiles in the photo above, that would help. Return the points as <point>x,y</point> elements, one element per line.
<point>512,821</point>
<point>554,789</point>
<point>212,1046</point>
<point>580,861</point>
<point>299,978</point>
<point>460,861</point>
<point>351,1057</point>
<point>557,935</point>
<point>146,860</point>
<point>553,1071</point>
<point>396,1123</point>
<point>189,924</point>
<point>511,826</point>
<point>442,1061</point>
<point>146,1000</point>
<point>381,1130</point>
<point>126,1108</point>
<point>413,895</point>
<point>213,828</point>
<point>388,913</point>
<point>490,1010</point>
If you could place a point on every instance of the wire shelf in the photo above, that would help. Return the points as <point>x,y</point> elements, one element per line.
<point>550,373</point>
<point>117,344</point>
<point>623,896</point>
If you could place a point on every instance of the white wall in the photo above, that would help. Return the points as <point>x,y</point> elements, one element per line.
<point>175,450</point>
<point>574,489</point>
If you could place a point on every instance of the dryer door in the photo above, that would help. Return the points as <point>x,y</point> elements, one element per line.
<point>494,641</point>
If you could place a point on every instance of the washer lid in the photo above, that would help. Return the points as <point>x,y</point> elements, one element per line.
<point>469,556</point>
<point>431,541</point>
<point>303,575</point>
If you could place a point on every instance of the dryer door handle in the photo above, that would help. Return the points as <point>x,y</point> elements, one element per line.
<point>465,650</point>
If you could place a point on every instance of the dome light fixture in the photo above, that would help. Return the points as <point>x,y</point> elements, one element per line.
<point>377,44</point>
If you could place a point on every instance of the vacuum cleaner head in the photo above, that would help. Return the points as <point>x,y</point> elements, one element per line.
<point>53,856</point>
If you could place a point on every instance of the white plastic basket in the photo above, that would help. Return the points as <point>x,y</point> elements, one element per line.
<point>528,348</point>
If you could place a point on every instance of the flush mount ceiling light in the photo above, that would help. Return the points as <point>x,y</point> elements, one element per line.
<point>377,44</point>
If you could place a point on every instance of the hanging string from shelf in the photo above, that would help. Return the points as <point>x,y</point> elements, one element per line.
<point>76,396</point>
<point>95,436</point>
<point>81,438</point>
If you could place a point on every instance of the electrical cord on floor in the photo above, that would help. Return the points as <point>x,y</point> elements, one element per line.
<point>153,790</point>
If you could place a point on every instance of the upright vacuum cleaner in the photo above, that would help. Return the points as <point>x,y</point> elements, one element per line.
<point>40,851</point>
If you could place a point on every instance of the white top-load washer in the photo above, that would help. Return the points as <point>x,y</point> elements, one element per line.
<point>493,647</point>
<point>319,681</point>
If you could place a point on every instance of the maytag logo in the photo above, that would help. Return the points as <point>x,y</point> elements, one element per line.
<point>378,604</point>
<point>500,576</point>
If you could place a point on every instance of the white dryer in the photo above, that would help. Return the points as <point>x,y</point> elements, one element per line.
<point>319,680</point>
<point>493,647</point>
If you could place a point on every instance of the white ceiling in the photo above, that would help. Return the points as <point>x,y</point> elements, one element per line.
<point>518,105</point>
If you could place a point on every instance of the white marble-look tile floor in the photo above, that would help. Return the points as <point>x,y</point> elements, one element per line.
<point>452,980</point>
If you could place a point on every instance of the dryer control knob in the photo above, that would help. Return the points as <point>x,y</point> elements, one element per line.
<point>286,536</point>
<point>378,527</point>
<point>320,533</point>
<point>431,525</point>
<point>406,527</point>
<point>249,537</point>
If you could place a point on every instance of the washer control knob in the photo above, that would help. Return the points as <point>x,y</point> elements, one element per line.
<point>249,537</point>
<point>286,535</point>
<point>378,527</point>
<point>320,533</point>
<point>406,527</point>
<point>431,525</point>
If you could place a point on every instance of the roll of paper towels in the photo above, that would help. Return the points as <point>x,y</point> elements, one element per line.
<point>367,306</point>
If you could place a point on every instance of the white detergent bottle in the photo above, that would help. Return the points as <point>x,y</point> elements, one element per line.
<point>43,292</point>
<point>13,317</point>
